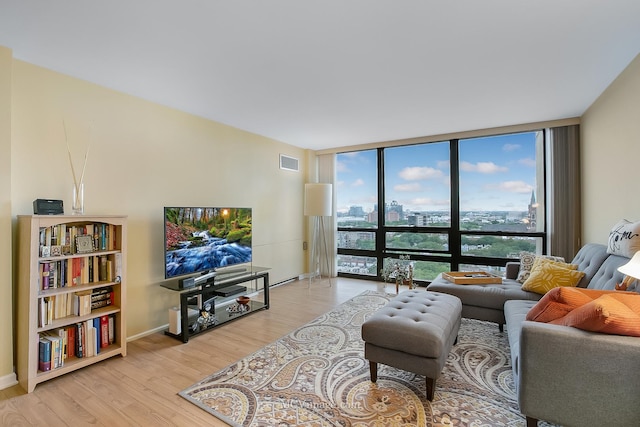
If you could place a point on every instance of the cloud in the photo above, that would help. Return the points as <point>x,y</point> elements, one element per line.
<point>512,187</point>
<point>482,167</point>
<point>443,164</point>
<point>410,187</point>
<point>529,162</point>
<point>358,183</point>
<point>427,201</point>
<point>342,167</point>
<point>419,173</point>
<point>510,147</point>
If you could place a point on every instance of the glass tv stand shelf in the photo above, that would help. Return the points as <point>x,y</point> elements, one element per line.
<point>213,301</point>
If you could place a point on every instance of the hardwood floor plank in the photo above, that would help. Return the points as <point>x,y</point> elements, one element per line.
<point>142,388</point>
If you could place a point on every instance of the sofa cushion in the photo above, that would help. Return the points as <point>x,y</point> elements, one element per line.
<point>527,259</point>
<point>491,296</point>
<point>624,238</point>
<point>612,313</point>
<point>546,275</point>
<point>589,259</point>
<point>515,311</point>
<point>608,275</point>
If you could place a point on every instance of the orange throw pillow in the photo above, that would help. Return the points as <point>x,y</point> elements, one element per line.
<point>559,302</point>
<point>613,313</point>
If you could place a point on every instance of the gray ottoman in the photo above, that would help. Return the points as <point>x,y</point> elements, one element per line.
<point>414,332</point>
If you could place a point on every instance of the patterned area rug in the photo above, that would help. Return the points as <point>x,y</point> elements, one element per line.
<point>318,376</point>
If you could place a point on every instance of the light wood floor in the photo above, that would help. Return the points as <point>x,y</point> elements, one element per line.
<point>141,388</point>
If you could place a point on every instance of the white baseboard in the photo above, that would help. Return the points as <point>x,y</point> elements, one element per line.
<point>8,381</point>
<point>149,332</point>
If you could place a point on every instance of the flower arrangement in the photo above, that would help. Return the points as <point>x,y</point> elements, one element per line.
<point>401,271</point>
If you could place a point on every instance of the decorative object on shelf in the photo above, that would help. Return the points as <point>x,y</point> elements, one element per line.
<point>244,300</point>
<point>318,200</point>
<point>401,271</point>
<point>77,206</point>
<point>238,308</point>
<point>84,244</point>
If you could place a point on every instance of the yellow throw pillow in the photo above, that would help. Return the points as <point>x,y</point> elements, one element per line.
<point>546,275</point>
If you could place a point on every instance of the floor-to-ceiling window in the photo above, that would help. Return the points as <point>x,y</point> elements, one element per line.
<point>452,205</point>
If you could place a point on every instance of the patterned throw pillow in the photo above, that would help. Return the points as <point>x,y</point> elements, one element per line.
<point>624,238</point>
<point>546,275</point>
<point>526,262</point>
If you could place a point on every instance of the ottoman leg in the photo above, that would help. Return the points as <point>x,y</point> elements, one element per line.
<point>373,369</point>
<point>431,385</point>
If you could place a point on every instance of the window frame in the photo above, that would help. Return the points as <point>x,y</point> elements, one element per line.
<point>453,255</point>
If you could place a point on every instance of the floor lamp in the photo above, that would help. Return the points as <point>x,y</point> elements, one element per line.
<point>318,204</point>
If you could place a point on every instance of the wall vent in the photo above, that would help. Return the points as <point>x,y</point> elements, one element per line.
<point>289,163</point>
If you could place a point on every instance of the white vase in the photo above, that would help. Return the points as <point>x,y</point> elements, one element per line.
<point>77,207</point>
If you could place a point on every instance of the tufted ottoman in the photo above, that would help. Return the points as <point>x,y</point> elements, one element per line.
<point>414,332</point>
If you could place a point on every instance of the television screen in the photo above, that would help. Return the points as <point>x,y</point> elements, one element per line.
<point>203,239</point>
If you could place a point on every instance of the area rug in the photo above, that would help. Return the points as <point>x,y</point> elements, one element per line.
<point>317,376</point>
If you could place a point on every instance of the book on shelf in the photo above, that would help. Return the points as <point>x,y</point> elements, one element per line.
<point>80,339</point>
<point>88,338</point>
<point>104,331</point>
<point>98,331</point>
<point>44,357</point>
<point>71,341</point>
<point>57,360</point>
<point>83,302</point>
<point>112,328</point>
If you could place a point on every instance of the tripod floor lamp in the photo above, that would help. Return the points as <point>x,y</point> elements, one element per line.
<point>318,204</point>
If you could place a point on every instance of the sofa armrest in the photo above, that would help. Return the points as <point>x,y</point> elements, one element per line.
<point>512,269</point>
<point>574,377</point>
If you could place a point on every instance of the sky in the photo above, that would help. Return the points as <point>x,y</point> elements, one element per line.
<point>497,173</point>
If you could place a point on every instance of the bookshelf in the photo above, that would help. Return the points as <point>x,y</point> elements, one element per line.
<point>71,294</point>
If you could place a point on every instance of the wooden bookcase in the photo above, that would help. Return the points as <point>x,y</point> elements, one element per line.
<point>54,267</point>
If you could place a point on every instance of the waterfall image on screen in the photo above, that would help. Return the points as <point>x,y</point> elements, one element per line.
<point>199,239</point>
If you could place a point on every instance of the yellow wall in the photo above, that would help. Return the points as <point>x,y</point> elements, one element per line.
<point>7,378</point>
<point>143,157</point>
<point>610,142</point>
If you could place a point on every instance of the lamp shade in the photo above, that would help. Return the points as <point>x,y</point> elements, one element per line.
<point>318,200</point>
<point>632,268</point>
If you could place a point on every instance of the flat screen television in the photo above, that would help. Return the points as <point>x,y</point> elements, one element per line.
<point>205,239</point>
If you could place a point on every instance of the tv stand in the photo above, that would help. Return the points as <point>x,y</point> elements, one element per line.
<point>212,302</point>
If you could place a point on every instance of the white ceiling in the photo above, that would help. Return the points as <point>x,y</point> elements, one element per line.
<point>332,73</point>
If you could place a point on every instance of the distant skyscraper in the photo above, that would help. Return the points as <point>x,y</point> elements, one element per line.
<point>356,211</point>
<point>533,212</point>
<point>393,212</point>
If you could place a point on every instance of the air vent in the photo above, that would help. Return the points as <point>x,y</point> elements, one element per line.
<point>289,163</point>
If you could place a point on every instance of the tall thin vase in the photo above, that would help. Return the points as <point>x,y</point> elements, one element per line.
<point>78,199</point>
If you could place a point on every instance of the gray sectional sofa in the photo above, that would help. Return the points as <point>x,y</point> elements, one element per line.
<point>562,374</point>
